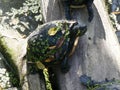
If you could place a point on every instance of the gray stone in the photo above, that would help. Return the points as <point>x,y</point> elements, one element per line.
<point>114,86</point>
<point>118,35</point>
<point>13,88</point>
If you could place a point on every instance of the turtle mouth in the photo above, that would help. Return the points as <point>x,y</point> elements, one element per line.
<point>77,26</point>
<point>74,25</point>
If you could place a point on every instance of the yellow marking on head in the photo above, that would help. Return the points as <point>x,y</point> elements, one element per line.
<point>52,31</point>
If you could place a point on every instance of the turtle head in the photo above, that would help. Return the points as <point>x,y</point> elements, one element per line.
<point>76,29</point>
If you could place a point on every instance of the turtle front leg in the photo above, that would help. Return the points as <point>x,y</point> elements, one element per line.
<point>90,10</point>
<point>65,67</point>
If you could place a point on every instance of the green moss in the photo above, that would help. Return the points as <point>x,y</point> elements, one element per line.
<point>24,19</point>
<point>48,84</point>
<point>108,6</point>
<point>10,65</point>
<point>103,86</point>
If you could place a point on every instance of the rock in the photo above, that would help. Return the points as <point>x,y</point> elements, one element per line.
<point>4,74</point>
<point>118,35</point>
<point>35,82</point>
<point>103,85</point>
<point>109,86</point>
<point>12,42</point>
<point>13,88</point>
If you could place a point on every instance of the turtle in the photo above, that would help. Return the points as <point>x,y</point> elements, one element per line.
<point>53,42</point>
<point>68,4</point>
